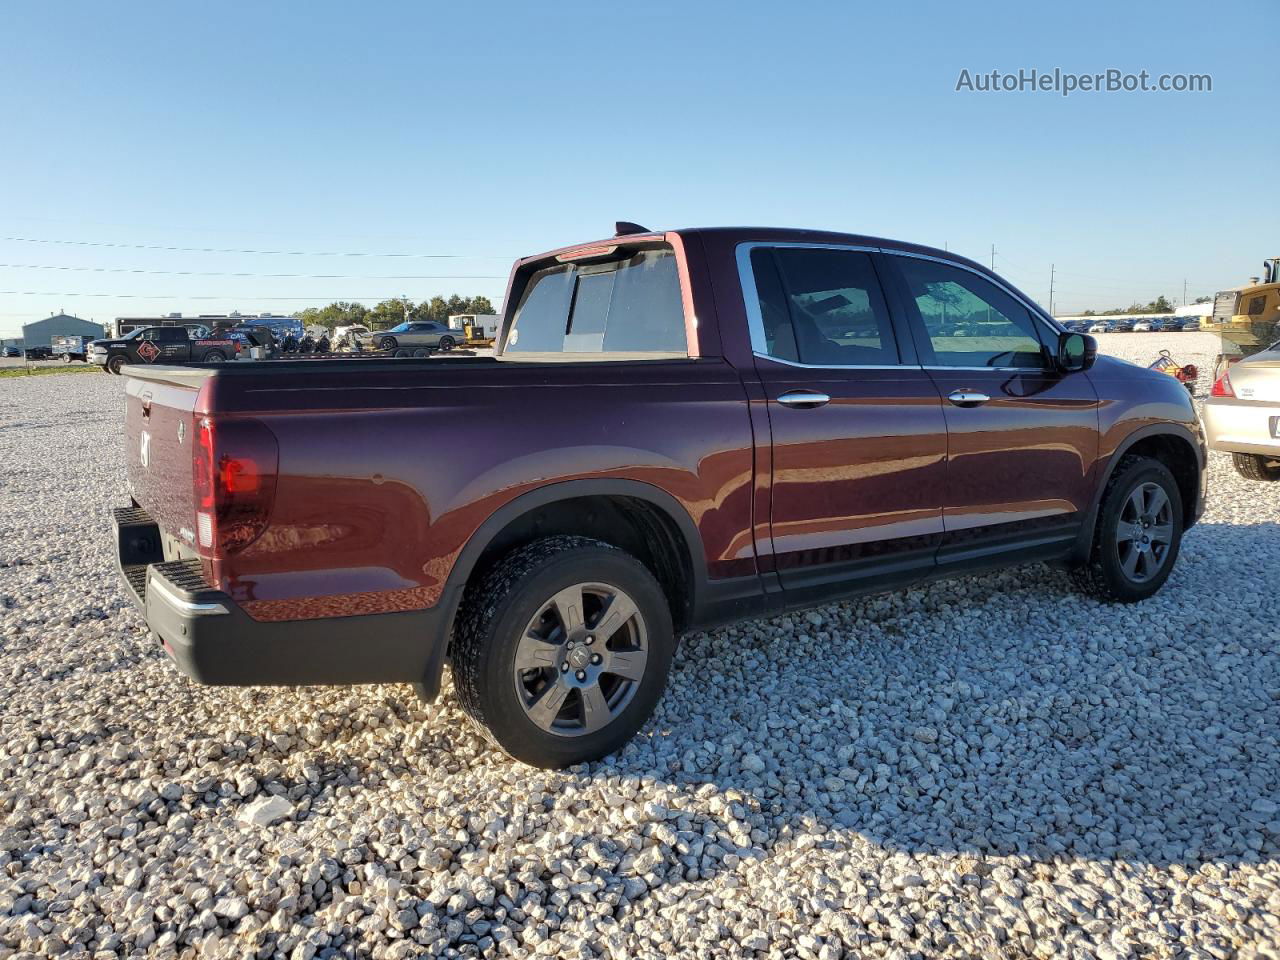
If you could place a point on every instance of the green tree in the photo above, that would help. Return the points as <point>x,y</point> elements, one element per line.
<point>392,311</point>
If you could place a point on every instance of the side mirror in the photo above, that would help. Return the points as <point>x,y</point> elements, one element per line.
<point>1076,352</point>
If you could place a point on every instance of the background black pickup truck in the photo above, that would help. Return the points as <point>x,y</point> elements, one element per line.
<point>162,345</point>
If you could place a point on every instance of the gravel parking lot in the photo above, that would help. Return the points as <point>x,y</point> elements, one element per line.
<point>989,767</point>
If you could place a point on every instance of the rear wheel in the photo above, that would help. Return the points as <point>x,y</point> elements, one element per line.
<point>66,358</point>
<point>561,651</point>
<point>214,356</point>
<point>1254,466</point>
<point>422,352</point>
<point>403,352</point>
<point>115,365</point>
<point>1137,535</point>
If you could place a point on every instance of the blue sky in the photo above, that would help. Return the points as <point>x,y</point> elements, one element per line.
<point>486,131</point>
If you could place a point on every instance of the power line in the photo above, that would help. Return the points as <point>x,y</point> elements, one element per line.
<point>272,253</point>
<point>185,296</point>
<point>305,276</point>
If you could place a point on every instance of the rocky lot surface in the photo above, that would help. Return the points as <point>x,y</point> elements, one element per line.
<point>991,767</point>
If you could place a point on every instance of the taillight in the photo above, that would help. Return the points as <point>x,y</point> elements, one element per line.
<point>1222,386</point>
<point>234,468</point>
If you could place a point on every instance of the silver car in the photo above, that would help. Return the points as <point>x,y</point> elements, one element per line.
<point>413,335</point>
<point>1242,415</point>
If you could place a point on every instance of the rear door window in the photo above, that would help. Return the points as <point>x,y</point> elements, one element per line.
<point>632,305</point>
<point>822,307</point>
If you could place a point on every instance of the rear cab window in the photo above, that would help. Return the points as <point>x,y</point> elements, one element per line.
<point>615,307</point>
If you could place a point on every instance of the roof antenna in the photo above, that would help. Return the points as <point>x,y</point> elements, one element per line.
<point>624,228</point>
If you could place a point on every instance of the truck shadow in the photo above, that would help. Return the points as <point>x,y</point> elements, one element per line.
<point>1002,715</point>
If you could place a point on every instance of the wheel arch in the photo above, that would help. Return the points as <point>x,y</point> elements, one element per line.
<point>1172,444</point>
<point>634,516</point>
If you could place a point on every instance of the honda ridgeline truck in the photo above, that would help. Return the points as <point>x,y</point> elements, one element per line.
<point>678,429</point>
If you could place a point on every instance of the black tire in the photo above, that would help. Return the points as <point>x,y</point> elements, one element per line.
<point>422,352</point>
<point>1103,575</point>
<point>403,352</point>
<point>493,617</point>
<point>1254,466</point>
<point>215,356</point>
<point>66,358</point>
<point>387,343</point>
<point>447,343</point>
<point>115,364</point>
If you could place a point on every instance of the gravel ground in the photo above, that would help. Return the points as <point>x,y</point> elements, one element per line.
<point>988,767</point>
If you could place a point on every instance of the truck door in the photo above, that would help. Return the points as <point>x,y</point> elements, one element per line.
<point>858,433</point>
<point>175,347</point>
<point>1022,436</point>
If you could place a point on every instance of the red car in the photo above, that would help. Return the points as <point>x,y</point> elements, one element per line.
<point>679,429</point>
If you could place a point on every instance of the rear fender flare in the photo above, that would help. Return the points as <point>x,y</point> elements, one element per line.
<point>485,534</point>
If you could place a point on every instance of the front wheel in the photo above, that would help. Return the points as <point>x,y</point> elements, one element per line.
<point>387,343</point>
<point>1254,466</point>
<point>1137,534</point>
<point>446,343</point>
<point>562,650</point>
<point>115,365</point>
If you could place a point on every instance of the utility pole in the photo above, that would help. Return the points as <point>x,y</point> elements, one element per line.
<point>1052,270</point>
<point>993,258</point>
<point>1184,291</point>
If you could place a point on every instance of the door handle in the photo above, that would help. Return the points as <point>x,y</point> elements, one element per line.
<point>803,399</point>
<point>967,398</point>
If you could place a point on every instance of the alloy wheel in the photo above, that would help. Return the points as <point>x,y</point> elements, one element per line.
<point>1144,532</point>
<point>581,659</point>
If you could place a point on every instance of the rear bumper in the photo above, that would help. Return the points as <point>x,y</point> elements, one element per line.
<point>212,640</point>
<point>1241,426</point>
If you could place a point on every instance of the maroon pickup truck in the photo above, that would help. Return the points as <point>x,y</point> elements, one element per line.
<point>677,430</point>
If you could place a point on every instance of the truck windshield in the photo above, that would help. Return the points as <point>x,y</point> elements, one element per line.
<point>623,306</point>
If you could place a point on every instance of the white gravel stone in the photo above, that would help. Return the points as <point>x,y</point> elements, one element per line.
<point>265,811</point>
<point>993,766</point>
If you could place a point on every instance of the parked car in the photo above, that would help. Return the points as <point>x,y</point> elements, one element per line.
<point>10,352</point>
<point>1122,326</point>
<point>1189,326</point>
<point>1101,326</point>
<point>1147,326</point>
<point>70,348</point>
<point>38,353</point>
<point>413,334</point>
<point>1242,415</point>
<point>553,517</point>
<point>163,346</point>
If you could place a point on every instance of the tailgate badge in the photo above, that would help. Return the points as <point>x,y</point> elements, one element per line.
<point>145,447</point>
<point>182,431</point>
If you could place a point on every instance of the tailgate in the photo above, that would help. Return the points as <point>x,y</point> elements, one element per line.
<point>159,433</point>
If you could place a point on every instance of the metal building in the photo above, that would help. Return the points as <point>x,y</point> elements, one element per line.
<point>40,333</point>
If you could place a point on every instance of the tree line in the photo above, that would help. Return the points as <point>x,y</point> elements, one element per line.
<point>388,313</point>
<point>1158,305</point>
